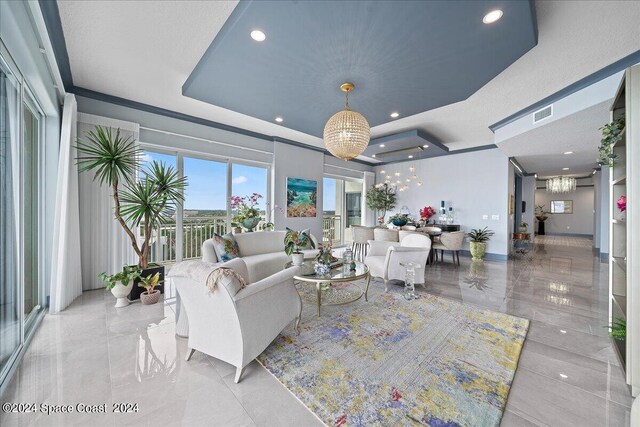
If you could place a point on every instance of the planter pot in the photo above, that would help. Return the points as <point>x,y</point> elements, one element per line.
<point>121,293</point>
<point>297,259</point>
<point>523,229</point>
<point>250,223</point>
<point>150,270</point>
<point>478,250</point>
<point>151,298</point>
<point>399,222</point>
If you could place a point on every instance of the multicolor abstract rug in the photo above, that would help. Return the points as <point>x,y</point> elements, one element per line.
<point>391,362</point>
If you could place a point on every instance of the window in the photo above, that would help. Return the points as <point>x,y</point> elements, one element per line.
<point>562,206</point>
<point>342,208</point>
<point>246,180</point>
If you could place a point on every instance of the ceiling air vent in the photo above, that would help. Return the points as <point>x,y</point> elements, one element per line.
<point>543,113</point>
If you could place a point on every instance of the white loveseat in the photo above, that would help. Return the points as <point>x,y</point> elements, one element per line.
<point>262,251</point>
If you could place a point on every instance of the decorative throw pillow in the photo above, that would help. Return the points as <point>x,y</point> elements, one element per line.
<point>225,246</point>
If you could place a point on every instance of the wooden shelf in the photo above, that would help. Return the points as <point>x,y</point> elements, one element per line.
<point>620,181</point>
<point>621,348</point>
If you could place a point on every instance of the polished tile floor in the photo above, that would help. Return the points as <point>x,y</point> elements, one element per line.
<point>95,354</point>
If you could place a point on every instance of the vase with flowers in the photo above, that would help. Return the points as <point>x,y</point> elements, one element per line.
<point>426,213</point>
<point>622,205</point>
<point>246,210</point>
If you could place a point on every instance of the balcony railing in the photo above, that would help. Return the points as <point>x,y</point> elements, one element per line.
<point>163,248</point>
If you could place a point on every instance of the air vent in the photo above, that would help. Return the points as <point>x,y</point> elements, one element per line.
<point>543,113</point>
<point>396,153</point>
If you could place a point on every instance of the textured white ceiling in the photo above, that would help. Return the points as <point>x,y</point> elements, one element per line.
<point>541,150</point>
<point>144,51</point>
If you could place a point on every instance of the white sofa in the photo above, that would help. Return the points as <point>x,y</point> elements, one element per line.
<point>262,251</point>
<point>384,257</point>
<point>234,324</point>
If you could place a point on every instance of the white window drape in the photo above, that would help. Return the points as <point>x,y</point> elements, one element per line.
<point>66,269</point>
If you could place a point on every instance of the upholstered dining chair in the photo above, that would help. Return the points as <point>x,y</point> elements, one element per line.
<point>361,235</point>
<point>408,227</point>
<point>385,235</point>
<point>450,242</point>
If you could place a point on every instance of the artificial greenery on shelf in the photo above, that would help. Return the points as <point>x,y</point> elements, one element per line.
<point>618,329</point>
<point>611,134</point>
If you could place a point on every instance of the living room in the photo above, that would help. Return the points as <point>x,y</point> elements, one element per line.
<point>308,213</point>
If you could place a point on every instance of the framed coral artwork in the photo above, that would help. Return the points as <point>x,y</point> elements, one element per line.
<point>301,198</point>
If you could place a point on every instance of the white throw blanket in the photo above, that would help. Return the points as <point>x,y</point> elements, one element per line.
<point>204,272</point>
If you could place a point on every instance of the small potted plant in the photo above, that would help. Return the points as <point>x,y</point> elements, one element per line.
<point>293,242</point>
<point>120,284</point>
<point>150,295</point>
<point>381,198</point>
<point>399,220</point>
<point>247,214</point>
<point>523,227</point>
<point>618,330</point>
<point>479,238</point>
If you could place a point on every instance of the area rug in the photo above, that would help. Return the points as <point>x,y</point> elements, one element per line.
<point>391,362</point>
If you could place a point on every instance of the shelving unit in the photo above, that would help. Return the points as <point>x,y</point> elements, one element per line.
<point>624,273</point>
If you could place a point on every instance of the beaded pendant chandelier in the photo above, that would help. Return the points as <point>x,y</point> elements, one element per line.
<point>346,134</point>
<point>561,184</point>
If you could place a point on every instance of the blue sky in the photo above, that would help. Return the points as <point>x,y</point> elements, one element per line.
<point>329,194</point>
<point>207,187</point>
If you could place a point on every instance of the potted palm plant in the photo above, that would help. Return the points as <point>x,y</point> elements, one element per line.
<point>381,198</point>
<point>479,238</point>
<point>149,283</point>
<point>143,198</point>
<point>293,242</point>
<point>120,284</point>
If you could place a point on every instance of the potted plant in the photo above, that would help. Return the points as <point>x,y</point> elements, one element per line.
<point>399,220</point>
<point>293,241</point>
<point>381,198</point>
<point>479,238</point>
<point>120,284</point>
<point>247,214</point>
<point>426,213</point>
<point>618,330</point>
<point>142,198</point>
<point>541,214</point>
<point>523,227</point>
<point>611,134</point>
<point>269,226</point>
<point>151,295</point>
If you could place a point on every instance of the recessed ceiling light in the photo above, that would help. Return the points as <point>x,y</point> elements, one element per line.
<point>563,331</point>
<point>394,114</point>
<point>279,119</point>
<point>258,35</point>
<point>565,169</point>
<point>382,172</point>
<point>373,155</point>
<point>492,16</point>
<point>410,156</point>
<point>563,376</point>
<point>594,172</point>
<point>381,145</point>
<point>425,146</point>
<point>568,152</point>
<point>397,173</point>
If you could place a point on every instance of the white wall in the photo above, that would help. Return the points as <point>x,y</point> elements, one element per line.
<point>296,162</point>
<point>579,222</point>
<point>474,183</point>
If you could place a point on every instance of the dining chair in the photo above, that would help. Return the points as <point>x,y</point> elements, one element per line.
<point>386,235</point>
<point>450,242</point>
<point>408,227</point>
<point>361,235</point>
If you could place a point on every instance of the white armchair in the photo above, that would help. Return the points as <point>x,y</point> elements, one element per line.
<point>236,325</point>
<point>384,258</point>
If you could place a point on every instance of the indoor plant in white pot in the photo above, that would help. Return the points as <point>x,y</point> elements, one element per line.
<point>479,238</point>
<point>120,284</point>
<point>294,241</point>
<point>523,227</point>
<point>143,198</point>
<point>150,295</point>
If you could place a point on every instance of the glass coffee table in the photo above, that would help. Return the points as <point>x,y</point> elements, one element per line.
<point>337,287</point>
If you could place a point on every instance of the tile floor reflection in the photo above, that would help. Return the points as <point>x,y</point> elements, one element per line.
<point>96,354</point>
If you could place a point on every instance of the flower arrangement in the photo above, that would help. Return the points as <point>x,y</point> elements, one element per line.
<point>245,207</point>
<point>622,203</point>
<point>427,212</point>
<point>399,220</point>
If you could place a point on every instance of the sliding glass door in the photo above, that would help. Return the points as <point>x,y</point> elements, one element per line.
<point>342,208</point>
<point>10,304</point>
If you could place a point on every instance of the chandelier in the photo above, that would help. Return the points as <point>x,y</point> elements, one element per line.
<point>561,184</point>
<point>346,134</point>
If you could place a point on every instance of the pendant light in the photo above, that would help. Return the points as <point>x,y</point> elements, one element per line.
<point>346,134</point>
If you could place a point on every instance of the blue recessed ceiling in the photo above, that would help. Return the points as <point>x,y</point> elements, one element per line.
<point>404,56</point>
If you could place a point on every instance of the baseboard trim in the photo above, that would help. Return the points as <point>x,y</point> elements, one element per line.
<point>590,236</point>
<point>488,256</point>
